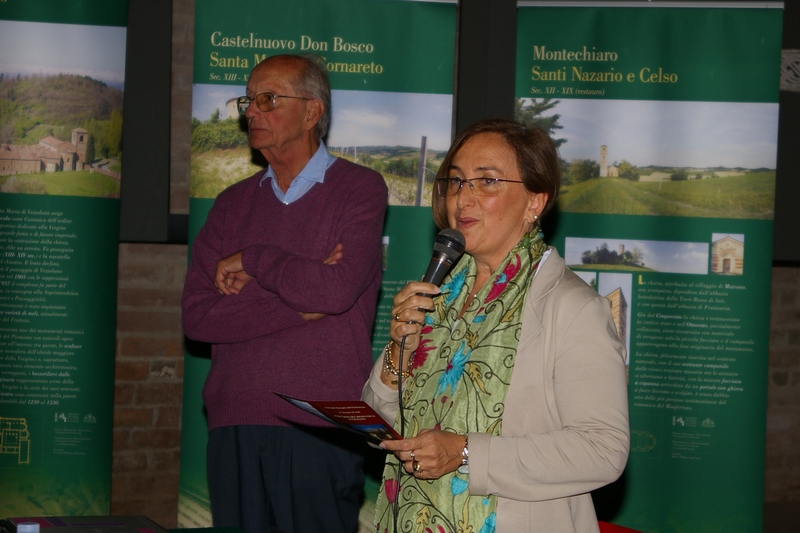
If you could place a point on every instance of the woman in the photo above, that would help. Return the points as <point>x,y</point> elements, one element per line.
<point>515,398</point>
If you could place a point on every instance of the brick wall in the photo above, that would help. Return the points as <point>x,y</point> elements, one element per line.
<point>149,359</point>
<point>782,475</point>
<point>148,382</point>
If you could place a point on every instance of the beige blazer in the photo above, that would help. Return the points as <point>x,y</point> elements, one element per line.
<point>565,426</point>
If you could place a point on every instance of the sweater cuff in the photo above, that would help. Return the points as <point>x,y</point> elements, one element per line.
<point>479,463</point>
<point>259,258</point>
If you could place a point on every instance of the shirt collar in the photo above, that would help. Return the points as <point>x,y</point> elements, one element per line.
<point>314,171</point>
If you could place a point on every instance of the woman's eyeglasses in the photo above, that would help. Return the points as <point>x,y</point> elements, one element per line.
<point>478,186</point>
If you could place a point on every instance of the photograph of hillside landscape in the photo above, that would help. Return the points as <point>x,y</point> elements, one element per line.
<point>385,131</point>
<point>636,256</point>
<point>704,159</point>
<point>61,109</point>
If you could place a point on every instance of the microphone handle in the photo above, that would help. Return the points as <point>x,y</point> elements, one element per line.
<point>437,268</point>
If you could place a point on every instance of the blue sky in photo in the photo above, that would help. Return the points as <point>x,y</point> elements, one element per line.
<point>361,118</point>
<point>47,49</point>
<point>717,236</point>
<point>682,134</point>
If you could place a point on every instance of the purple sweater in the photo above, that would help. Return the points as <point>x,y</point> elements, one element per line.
<point>260,342</point>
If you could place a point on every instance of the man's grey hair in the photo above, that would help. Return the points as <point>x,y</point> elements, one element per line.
<point>313,82</point>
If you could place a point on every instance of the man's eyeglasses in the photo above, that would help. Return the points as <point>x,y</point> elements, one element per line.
<point>478,186</point>
<point>264,101</point>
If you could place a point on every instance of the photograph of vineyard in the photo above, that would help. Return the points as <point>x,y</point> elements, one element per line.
<point>381,130</point>
<point>692,159</point>
<point>61,109</point>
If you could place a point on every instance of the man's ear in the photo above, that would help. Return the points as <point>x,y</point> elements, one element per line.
<point>314,109</point>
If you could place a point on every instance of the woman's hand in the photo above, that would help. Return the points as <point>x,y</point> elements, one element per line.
<point>429,455</point>
<point>408,312</point>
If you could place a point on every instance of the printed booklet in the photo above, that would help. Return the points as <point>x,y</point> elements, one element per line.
<point>356,416</point>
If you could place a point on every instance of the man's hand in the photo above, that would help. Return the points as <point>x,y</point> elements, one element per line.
<point>230,276</point>
<point>335,255</point>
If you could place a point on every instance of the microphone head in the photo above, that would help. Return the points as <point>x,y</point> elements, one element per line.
<point>447,249</point>
<point>449,242</point>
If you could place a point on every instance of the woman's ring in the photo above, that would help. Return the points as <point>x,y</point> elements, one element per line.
<point>397,317</point>
<point>411,453</point>
<point>415,466</point>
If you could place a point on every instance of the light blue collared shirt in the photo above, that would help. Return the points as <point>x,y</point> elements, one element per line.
<point>313,172</point>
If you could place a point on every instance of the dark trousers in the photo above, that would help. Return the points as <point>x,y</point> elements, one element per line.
<point>284,479</point>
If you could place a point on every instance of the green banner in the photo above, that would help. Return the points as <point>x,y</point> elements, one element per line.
<point>57,325</point>
<point>715,54</point>
<point>92,12</point>
<point>408,49</point>
<point>390,65</point>
<point>666,120</point>
<point>62,71</point>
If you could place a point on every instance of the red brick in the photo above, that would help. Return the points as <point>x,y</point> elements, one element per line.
<point>128,507</point>
<point>121,441</point>
<point>143,346</point>
<point>140,274</point>
<point>780,378</point>
<point>159,394</point>
<point>151,253</point>
<point>127,462</point>
<point>123,394</point>
<point>148,321</point>
<point>168,417</point>
<point>157,438</point>
<point>136,417</point>
<point>163,461</point>
<point>131,370</point>
<point>158,297</point>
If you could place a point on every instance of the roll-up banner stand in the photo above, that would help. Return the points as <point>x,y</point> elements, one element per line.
<point>62,68</point>
<point>390,66</point>
<point>666,115</point>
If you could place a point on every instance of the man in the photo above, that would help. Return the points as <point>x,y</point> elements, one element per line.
<point>283,282</point>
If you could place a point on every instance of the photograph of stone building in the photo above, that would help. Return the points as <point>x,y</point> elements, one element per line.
<point>727,255</point>
<point>49,155</point>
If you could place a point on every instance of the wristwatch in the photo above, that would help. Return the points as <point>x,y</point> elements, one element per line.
<point>464,468</point>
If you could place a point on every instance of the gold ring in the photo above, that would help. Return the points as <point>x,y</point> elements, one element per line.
<point>397,317</point>
<point>415,466</point>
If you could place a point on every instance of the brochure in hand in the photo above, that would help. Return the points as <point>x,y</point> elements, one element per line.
<point>356,416</point>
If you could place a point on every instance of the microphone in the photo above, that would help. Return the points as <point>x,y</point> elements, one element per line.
<point>447,249</point>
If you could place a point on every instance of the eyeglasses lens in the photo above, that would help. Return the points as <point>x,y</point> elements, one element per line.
<point>478,186</point>
<point>264,101</point>
<point>242,103</point>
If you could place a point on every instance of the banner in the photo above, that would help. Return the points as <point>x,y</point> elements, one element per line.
<point>62,68</point>
<point>666,120</point>
<point>390,65</point>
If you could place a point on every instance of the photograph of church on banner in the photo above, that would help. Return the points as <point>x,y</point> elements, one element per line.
<point>61,122</point>
<point>666,121</point>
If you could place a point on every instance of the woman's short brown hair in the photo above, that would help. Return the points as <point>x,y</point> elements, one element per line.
<point>537,160</point>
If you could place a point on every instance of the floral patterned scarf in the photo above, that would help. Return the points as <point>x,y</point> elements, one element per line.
<point>460,375</point>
